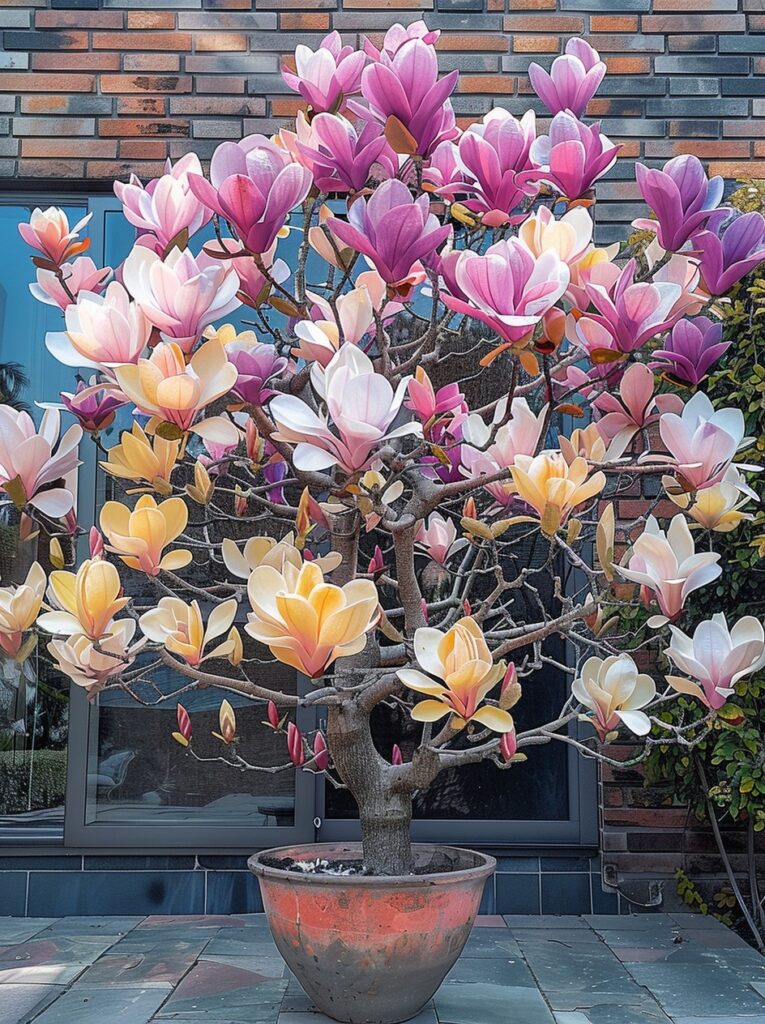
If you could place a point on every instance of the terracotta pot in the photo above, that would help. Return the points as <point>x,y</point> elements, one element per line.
<point>372,949</point>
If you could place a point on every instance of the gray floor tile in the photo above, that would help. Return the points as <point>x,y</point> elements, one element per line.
<point>20,1003</point>
<point>212,989</point>
<point>758,1018</point>
<point>96,1006</point>
<point>19,929</point>
<point>94,925</point>
<point>428,1016</point>
<point>697,989</point>
<point>500,972</point>
<point>22,973</point>
<point>544,921</point>
<point>490,1004</point>
<point>491,942</point>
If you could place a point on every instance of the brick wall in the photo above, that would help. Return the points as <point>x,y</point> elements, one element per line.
<point>94,89</point>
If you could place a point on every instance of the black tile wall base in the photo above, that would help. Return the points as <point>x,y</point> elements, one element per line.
<point>39,886</point>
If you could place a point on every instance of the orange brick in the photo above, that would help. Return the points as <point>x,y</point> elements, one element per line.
<point>116,169</point>
<point>147,105</point>
<point>488,85</point>
<point>702,148</point>
<point>145,83</point>
<point>78,19</point>
<point>143,128</point>
<point>172,41</point>
<point>57,168</point>
<point>629,65</point>
<point>536,44</point>
<point>22,81</point>
<point>310,22</point>
<point>614,22</point>
<point>142,149</point>
<point>532,5</point>
<point>150,19</point>
<point>568,23</point>
<point>286,106</point>
<point>57,61</point>
<point>731,169</point>
<point>82,148</point>
<point>454,41</point>
<point>151,62</point>
<point>220,41</point>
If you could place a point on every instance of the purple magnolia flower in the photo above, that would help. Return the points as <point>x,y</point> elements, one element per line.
<point>443,173</point>
<point>572,157</point>
<point>341,158</point>
<point>573,79</point>
<point>406,86</point>
<point>274,471</point>
<point>326,76</point>
<point>682,199</point>
<point>728,256</point>
<point>399,34</point>
<point>690,351</point>
<point>392,229</point>
<point>256,364</point>
<point>92,407</point>
<point>494,152</point>
<point>253,185</point>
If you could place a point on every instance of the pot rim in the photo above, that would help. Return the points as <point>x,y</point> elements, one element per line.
<point>483,869</point>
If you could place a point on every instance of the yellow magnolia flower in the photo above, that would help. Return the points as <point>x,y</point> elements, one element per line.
<point>306,622</point>
<point>267,551</point>
<point>201,491</point>
<point>147,461</point>
<point>614,691</point>
<point>462,660</point>
<point>88,664</point>
<point>19,607</point>
<point>716,508</point>
<point>89,599</point>
<point>554,487</point>
<point>585,441</point>
<point>179,627</point>
<point>226,723</point>
<point>139,537</point>
<point>175,394</point>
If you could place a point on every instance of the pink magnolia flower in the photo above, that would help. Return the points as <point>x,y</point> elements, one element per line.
<point>731,252</point>
<point>572,157</point>
<point>627,313</point>
<point>573,79</point>
<point>519,436</point>
<point>717,657</point>
<point>324,77</point>
<point>80,276</point>
<point>254,287</point>
<point>33,460</point>
<point>362,407</point>
<point>102,331</point>
<point>506,288</point>
<point>635,408</point>
<point>494,152</point>
<point>668,566</point>
<point>342,158</point>
<point>166,206</point>
<point>406,86</point>
<point>48,231</point>
<point>256,363</point>
<point>253,185</point>
<point>428,403</point>
<point>702,440</point>
<point>393,230</point>
<point>690,351</point>
<point>681,198</point>
<point>438,538</point>
<point>180,294</point>
<point>397,35</point>
<point>94,408</point>
<point>443,173</point>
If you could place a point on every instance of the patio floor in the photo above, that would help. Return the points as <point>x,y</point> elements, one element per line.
<point>647,969</point>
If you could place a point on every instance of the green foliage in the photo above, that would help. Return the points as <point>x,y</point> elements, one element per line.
<point>48,780</point>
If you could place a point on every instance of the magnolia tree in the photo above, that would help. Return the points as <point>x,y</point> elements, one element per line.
<point>360,475</point>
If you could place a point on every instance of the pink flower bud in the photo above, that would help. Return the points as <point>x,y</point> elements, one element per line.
<point>510,677</point>
<point>396,757</point>
<point>320,752</point>
<point>295,745</point>
<point>466,606</point>
<point>273,715</point>
<point>425,610</point>
<point>508,745</point>
<point>96,542</point>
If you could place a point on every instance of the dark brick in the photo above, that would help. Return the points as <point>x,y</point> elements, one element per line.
<point>79,5</point>
<point>695,86</point>
<point>45,40</point>
<point>743,86</point>
<point>741,44</point>
<point>605,6</point>
<point>693,107</point>
<point>460,5</point>
<point>692,44</point>
<point>701,65</point>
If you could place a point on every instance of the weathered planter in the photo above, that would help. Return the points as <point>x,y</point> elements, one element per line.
<point>371,949</point>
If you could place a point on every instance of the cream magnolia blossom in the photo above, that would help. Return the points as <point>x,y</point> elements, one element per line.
<point>461,659</point>
<point>90,664</point>
<point>305,622</point>
<point>140,537</point>
<point>87,600</point>
<point>717,657</point>
<point>19,607</point>
<point>180,629</point>
<point>569,237</point>
<point>702,441</point>
<point>438,538</point>
<point>143,459</point>
<point>668,566</point>
<point>37,467</point>
<point>716,508</point>
<point>614,691</point>
<point>268,551</point>
<point>519,436</point>
<point>171,392</point>
<point>554,487</point>
<point>102,331</point>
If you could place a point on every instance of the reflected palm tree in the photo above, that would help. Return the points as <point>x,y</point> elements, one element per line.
<point>13,383</point>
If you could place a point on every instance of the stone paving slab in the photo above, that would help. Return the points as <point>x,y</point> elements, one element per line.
<point>650,969</point>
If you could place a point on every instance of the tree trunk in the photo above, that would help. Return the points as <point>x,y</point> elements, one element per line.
<point>385,815</point>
